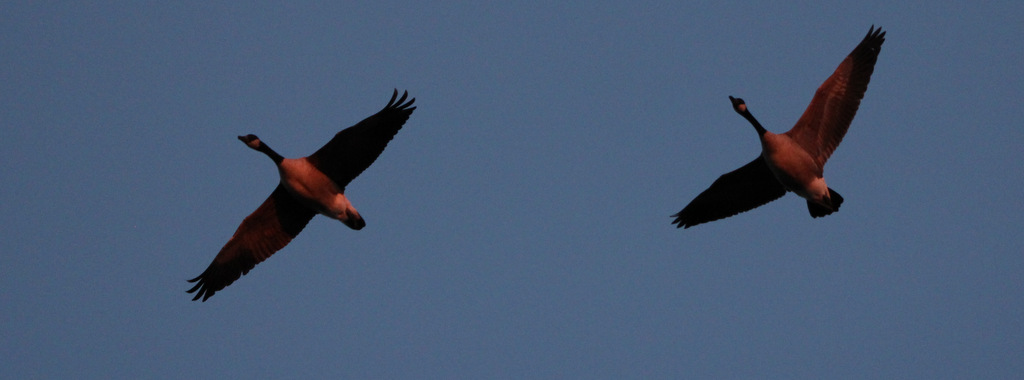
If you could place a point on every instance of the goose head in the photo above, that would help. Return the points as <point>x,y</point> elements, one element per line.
<point>741,108</point>
<point>738,105</point>
<point>251,140</point>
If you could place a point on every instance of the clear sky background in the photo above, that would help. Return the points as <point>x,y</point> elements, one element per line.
<point>518,226</point>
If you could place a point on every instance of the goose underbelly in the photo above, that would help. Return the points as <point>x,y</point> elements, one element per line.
<point>314,189</point>
<point>794,168</point>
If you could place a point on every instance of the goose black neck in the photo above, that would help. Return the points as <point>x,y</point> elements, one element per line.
<point>277,158</point>
<point>757,126</point>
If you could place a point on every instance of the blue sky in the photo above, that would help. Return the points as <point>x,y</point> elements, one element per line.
<point>518,226</point>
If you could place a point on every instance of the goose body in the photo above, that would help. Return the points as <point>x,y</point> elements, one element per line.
<point>313,189</point>
<point>309,185</point>
<point>794,167</point>
<point>795,160</point>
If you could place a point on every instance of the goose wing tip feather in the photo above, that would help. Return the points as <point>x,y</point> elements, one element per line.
<point>400,104</point>
<point>213,280</point>
<point>683,222</point>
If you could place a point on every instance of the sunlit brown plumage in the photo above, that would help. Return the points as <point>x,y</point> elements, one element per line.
<point>795,160</point>
<point>309,185</point>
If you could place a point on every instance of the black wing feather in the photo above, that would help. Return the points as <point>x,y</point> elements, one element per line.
<point>268,229</point>
<point>738,191</point>
<point>353,149</point>
<point>825,121</point>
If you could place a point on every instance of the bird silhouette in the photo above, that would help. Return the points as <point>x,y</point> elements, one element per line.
<point>795,160</point>
<point>309,186</point>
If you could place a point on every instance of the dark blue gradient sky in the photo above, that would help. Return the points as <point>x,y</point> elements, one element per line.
<point>518,227</point>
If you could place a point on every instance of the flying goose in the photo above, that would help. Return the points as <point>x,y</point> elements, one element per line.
<point>793,161</point>
<point>309,186</point>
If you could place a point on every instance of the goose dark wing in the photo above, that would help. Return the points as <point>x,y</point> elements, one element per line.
<point>740,190</point>
<point>268,229</point>
<point>353,149</point>
<point>830,113</point>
